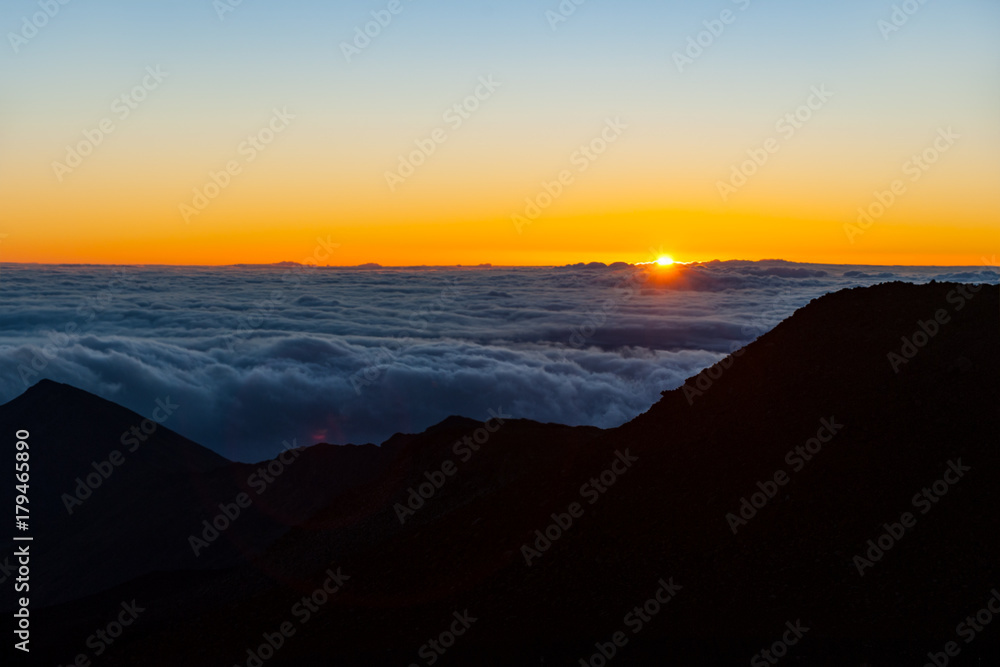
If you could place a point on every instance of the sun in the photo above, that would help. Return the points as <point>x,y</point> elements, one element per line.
<point>664,261</point>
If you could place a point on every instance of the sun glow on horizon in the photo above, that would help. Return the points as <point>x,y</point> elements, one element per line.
<point>196,176</point>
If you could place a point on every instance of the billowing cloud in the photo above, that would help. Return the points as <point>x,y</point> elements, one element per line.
<point>259,355</point>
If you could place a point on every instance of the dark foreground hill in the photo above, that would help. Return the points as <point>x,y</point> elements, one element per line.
<point>827,495</point>
<point>114,495</point>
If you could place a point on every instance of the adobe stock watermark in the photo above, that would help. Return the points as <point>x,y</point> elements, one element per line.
<point>122,107</point>
<point>779,649</point>
<point>598,317</point>
<point>900,16</point>
<point>592,491</point>
<point>714,28</point>
<point>582,159</point>
<point>764,319</point>
<point>363,35</point>
<point>303,611</point>
<point>382,359</point>
<point>786,126</point>
<point>37,21</point>
<point>925,501</point>
<point>262,310</point>
<point>635,620</point>
<point>435,648</point>
<point>259,481</point>
<point>761,323</point>
<point>562,13</point>
<point>7,569</point>
<point>697,386</point>
<point>249,150</point>
<point>133,438</point>
<point>87,311</point>
<point>464,448</point>
<point>796,458</point>
<point>223,7</point>
<point>455,116</point>
<point>968,629</point>
<point>103,638</point>
<point>926,330</point>
<point>915,168</point>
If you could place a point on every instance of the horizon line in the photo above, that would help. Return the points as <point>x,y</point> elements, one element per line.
<point>374,266</point>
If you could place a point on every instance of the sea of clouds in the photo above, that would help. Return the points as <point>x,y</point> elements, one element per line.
<point>255,356</point>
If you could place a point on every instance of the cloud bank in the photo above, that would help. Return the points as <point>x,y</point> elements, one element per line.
<point>259,355</point>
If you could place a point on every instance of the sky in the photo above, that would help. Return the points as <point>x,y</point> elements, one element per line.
<point>212,133</point>
<point>258,356</point>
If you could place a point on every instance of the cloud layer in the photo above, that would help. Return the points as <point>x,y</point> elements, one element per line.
<point>259,355</point>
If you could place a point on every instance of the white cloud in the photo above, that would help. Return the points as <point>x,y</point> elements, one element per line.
<point>254,360</point>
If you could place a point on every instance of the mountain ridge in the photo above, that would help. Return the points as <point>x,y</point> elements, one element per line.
<point>680,470</point>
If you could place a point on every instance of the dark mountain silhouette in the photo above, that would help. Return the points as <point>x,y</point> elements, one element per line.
<point>835,440</point>
<point>99,524</point>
